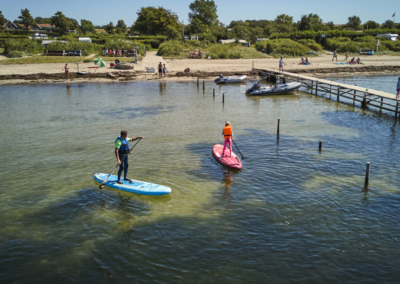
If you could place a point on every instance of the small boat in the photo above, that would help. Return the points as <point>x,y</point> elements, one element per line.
<point>274,90</point>
<point>232,79</point>
<point>124,65</point>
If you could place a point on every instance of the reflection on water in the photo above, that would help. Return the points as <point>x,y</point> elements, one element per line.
<point>293,214</point>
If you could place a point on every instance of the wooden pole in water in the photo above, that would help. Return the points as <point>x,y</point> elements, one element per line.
<point>316,88</point>
<point>204,86</point>
<point>213,92</point>
<point>197,82</point>
<point>312,86</point>
<point>338,93</point>
<point>223,98</point>
<point>397,107</point>
<point>320,146</point>
<point>367,173</point>
<point>279,122</point>
<point>381,102</point>
<point>330,90</point>
<point>364,102</point>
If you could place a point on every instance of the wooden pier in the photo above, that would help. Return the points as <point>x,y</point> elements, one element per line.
<point>367,97</point>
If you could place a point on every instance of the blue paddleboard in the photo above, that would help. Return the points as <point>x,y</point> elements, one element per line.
<point>138,187</point>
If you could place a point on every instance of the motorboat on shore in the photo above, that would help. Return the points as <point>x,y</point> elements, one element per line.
<point>231,79</point>
<point>256,90</point>
<point>124,65</point>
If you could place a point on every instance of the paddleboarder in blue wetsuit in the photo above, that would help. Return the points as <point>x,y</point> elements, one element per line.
<point>121,153</point>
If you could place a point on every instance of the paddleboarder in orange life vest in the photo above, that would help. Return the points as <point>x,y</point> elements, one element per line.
<point>228,136</point>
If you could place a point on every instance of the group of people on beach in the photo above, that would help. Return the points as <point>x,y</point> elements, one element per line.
<point>162,69</point>
<point>117,52</point>
<point>352,61</point>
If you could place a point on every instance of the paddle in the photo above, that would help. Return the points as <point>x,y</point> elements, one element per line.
<point>238,149</point>
<point>104,182</point>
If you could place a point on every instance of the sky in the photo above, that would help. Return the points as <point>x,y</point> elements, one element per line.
<point>101,12</point>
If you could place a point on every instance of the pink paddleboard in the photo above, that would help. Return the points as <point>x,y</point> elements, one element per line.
<point>231,162</point>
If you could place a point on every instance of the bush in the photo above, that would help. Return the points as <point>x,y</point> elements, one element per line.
<point>365,39</point>
<point>171,48</point>
<point>221,50</point>
<point>310,43</point>
<point>261,45</point>
<point>286,47</point>
<point>390,45</point>
<point>86,47</point>
<point>119,43</point>
<point>213,55</point>
<point>25,45</point>
<point>15,54</point>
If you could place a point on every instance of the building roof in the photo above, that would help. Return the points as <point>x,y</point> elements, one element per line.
<point>46,25</point>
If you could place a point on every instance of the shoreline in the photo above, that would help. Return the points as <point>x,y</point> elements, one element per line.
<point>321,67</point>
<point>117,76</point>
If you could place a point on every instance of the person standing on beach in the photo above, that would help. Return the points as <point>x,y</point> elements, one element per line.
<point>66,68</point>
<point>121,153</point>
<point>281,65</point>
<point>398,89</point>
<point>160,70</point>
<point>164,70</point>
<point>334,55</point>
<point>347,56</point>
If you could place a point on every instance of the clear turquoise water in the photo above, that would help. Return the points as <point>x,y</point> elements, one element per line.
<point>291,215</point>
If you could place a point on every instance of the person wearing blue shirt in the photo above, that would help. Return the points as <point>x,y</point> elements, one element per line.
<point>121,153</point>
<point>281,65</point>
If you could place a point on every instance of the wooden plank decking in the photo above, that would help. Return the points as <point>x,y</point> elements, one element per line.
<point>374,98</point>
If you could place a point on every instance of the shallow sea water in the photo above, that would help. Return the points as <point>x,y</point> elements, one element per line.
<point>291,215</point>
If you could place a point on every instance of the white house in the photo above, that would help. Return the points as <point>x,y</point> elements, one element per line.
<point>85,39</point>
<point>39,36</point>
<point>46,42</point>
<point>232,40</point>
<point>261,39</point>
<point>392,36</point>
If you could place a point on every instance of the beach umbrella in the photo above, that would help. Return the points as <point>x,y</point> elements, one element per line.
<point>99,61</point>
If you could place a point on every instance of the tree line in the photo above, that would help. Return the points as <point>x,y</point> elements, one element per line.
<point>203,21</point>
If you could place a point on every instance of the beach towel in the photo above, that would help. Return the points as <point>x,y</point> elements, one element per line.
<point>343,63</point>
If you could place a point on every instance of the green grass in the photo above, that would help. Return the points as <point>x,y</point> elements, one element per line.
<point>42,59</point>
<point>178,49</point>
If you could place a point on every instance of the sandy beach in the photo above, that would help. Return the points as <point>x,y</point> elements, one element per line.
<point>196,65</point>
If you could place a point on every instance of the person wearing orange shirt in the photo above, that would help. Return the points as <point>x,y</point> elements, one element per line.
<point>228,136</point>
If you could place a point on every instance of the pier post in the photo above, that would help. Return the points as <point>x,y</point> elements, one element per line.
<point>223,98</point>
<point>312,86</point>
<point>354,97</point>
<point>397,108</point>
<point>316,88</point>
<point>204,86</point>
<point>213,92</point>
<point>320,146</point>
<point>197,82</point>
<point>330,90</point>
<point>338,93</point>
<point>367,174</point>
<point>381,102</point>
<point>277,131</point>
<point>364,102</point>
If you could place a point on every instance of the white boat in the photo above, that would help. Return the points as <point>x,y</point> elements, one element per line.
<point>232,79</point>
<point>274,90</point>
